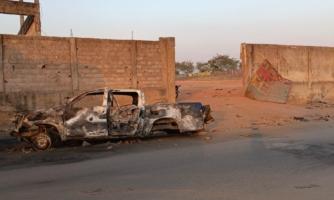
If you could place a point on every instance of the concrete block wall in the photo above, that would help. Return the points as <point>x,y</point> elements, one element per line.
<point>311,69</point>
<point>39,72</point>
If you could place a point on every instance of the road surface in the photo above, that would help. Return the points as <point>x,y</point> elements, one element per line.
<point>290,162</point>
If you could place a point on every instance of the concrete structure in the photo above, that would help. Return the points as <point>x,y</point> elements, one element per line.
<point>32,24</point>
<point>39,72</point>
<point>311,69</point>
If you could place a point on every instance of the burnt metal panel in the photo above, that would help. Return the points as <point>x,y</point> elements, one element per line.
<point>268,85</point>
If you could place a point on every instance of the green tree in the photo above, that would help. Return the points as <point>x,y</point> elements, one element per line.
<point>203,67</point>
<point>223,63</point>
<point>185,67</point>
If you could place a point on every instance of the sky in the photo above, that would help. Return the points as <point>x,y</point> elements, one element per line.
<point>202,28</point>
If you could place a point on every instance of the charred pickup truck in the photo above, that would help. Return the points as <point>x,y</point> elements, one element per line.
<point>106,114</point>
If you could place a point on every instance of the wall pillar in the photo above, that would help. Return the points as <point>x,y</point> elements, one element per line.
<point>134,64</point>
<point>167,52</point>
<point>2,85</point>
<point>170,69</point>
<point>74,64</point>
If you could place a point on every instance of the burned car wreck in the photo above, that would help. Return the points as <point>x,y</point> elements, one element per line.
<point>106,114</point>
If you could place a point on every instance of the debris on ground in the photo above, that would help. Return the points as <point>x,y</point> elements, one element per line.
<point>27,150</point>
<point>110,147</point>
<point>208,139</point>
<point>302,119</point>
<point>202,133</point>
<point>259,123</point>
<point>85,144</point>
<point>139,141</point>
<point>268,85</point>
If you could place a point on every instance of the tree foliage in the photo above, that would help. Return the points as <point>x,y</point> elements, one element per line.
<point>223,63</point>
<point>203,67</point>
<point>216,63</point>
<point>185,67</point>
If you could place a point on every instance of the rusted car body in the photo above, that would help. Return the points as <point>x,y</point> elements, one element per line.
<point>105,114</point>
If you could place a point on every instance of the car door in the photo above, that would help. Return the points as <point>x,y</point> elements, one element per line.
<point>87,118</point>
<point>124,118</point>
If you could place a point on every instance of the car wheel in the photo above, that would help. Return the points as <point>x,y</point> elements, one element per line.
<point>41,141</point>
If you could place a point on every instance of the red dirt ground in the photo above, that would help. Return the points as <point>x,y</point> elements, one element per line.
<point>232,111</point>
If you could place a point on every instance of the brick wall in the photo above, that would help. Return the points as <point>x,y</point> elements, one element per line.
<point>39,72</point>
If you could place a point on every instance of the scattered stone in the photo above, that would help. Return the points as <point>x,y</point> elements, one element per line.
<point>202,133</point>
<point>139,141</point>
<point>302,119</point>
<point>208,139</point>
<point>120,142</point>
<point>324,118</point>
<point>110,147</point>
<point>259,123</point>
<point>85,144</point>
<point>27,150</point>
<point>133,141</point>
<point>238,116</point>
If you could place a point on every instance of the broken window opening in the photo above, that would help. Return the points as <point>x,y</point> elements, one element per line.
<point>90,100</point>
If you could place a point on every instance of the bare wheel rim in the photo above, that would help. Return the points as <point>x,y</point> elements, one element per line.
<point>41,141</point>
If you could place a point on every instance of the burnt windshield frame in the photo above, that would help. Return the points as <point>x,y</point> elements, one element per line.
<point>85,95</point>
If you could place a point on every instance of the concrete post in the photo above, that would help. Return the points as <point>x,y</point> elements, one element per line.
<point>21,17</point>
<point>74,64</point>
<point>37,20</point>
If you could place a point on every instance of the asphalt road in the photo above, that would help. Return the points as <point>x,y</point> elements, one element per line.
<point>290,162</point>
